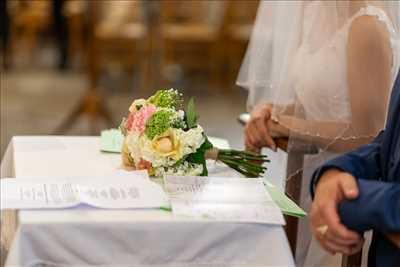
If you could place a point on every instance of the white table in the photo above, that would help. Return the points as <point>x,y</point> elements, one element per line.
<point>121,238</point>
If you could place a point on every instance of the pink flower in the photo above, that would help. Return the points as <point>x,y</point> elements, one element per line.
<point>143,165</point>
<point>129,122</point>
<point>136,122</point>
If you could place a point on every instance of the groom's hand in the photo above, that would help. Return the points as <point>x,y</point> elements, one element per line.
<point>333,187</point>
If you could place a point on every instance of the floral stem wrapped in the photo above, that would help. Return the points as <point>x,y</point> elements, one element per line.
<point>166,140</point>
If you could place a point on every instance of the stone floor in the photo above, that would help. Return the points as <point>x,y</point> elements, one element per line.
<point>34,100</point>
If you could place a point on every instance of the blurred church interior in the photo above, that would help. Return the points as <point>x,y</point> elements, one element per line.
<point>72,67</point>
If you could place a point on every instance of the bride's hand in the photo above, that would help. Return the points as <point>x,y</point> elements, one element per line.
<point>257,131</point>
<point>277,130</point>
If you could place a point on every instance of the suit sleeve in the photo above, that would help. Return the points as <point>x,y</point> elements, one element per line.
<point>378,204</point>
<point>363,163</point>
<point>377,207</point>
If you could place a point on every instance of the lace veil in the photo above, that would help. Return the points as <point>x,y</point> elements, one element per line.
<point>298,60</point>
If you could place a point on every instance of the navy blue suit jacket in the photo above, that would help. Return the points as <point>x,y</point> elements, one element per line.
<point>376,166</point>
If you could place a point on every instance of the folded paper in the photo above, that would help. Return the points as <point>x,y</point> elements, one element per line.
<point>116,193</point>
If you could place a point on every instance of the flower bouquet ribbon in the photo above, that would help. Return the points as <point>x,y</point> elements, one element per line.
<point>163,138</point>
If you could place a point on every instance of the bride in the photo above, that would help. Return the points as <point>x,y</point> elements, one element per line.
<point>320,73</point>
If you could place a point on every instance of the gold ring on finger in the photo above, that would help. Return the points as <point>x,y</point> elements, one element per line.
<point>322,229</point>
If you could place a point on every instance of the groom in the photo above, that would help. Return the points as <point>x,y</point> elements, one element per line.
<point>360,191</point>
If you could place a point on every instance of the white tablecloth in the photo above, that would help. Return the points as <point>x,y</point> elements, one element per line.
<point>121,238</point>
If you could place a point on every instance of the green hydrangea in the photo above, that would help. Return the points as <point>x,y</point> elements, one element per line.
<point>159,123</point>
<point>167,99</point>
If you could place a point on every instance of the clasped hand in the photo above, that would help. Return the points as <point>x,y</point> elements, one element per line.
<point>334,187</point>
<point>260,130</point>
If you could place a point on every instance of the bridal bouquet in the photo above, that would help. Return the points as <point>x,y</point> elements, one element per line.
<point>164,139</point>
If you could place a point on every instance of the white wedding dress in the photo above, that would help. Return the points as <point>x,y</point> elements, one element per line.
<point>309,72</point>
<point>297,61</point>
<point>326,68</point>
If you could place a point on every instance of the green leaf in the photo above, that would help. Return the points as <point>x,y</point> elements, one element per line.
<point>179,162</point>
<point>206,145</point>
<point>199,156</point>
<point>191,117</point>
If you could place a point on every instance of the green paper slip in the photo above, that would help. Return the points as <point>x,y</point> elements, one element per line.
<point>287,206</point>
<point>111,141</point>
<point>167,209</point>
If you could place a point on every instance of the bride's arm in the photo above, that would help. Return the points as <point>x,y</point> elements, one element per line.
<point>369,61</point>
<point>327,131</point>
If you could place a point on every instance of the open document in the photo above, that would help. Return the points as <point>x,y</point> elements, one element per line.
<point>223,199</point>
<point>112,193</point>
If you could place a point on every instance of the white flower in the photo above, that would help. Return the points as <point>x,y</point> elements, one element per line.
<point>151,154</point>
<point>190,140</point>
<point>181,114</point>
<point>184,143</point>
